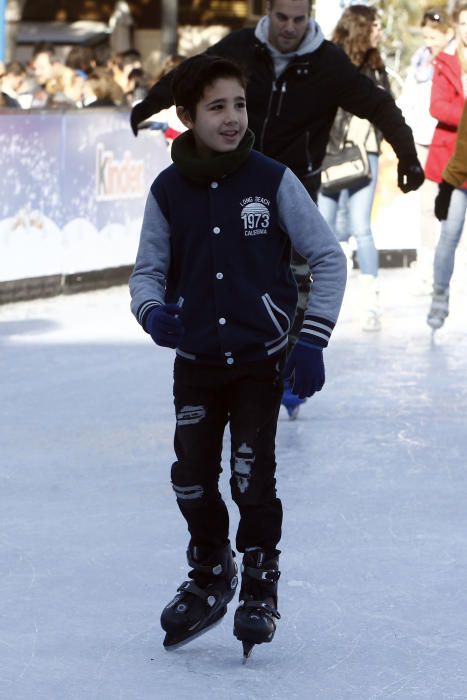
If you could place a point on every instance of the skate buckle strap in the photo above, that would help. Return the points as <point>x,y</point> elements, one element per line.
<point>260,604</point>
<point>215,569</point>
<point>271,575</point>
<point>191,587</point>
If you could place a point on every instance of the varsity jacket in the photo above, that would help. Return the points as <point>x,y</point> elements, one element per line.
<point>221,251</point>
<point>291,114</point>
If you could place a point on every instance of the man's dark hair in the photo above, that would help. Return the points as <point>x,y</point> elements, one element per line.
<point>80,58</point>
<point>43,47</point>
<point>191,78</point>
<point>131,55</point>
<point>102,54</point>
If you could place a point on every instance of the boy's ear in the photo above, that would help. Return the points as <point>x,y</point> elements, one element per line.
<point>184,117</point>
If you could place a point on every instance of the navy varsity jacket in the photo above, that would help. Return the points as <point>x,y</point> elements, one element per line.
<point>221,251</point>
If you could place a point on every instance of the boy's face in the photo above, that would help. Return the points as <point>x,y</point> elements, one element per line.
<point>221,120</point>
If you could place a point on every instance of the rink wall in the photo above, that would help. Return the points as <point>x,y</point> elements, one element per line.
<point>72,193</point>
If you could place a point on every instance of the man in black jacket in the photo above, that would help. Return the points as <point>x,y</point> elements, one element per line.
<point>297,80</point>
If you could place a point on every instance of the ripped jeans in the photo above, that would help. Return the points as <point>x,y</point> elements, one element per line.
<point>206,399</point>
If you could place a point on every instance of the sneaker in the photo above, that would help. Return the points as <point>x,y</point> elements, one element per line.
<point>439,309</point>
<point>369,303</point>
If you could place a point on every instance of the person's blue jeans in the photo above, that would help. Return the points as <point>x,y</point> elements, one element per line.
<point>359,204</point>
<point>451,231</point>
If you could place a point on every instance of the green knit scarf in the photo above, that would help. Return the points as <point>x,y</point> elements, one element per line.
<point>203,170</point>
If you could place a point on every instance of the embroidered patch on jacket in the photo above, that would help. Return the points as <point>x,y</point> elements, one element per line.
<point>255,215</point>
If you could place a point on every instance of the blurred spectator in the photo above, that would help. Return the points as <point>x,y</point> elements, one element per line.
<point>64,88</point>
<point>358,33</point>
<point>138,86</point>
<point>447,103</point>
<point>102,56</point>
<point>12,78</point>
<point>80,58</point>
<point>415,104</point>
<point>42,67</point>
<point>122,64</point>
<point>101,90</point>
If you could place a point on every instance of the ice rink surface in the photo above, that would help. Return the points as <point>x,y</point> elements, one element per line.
<point>373,477</point>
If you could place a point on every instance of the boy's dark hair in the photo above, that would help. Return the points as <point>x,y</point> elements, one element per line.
<point>192,76</point>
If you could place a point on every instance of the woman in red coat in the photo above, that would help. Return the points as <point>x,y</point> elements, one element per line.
<point>447,103</point>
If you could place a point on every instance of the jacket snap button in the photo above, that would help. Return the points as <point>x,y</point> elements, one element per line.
<point>214,185</point>
<point>222,321</point>
<point>219,275</point>
<point>216,229</point>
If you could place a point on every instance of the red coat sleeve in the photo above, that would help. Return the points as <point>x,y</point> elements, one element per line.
<point>445,105</point>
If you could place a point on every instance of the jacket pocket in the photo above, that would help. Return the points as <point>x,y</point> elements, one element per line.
<point>279,318</point>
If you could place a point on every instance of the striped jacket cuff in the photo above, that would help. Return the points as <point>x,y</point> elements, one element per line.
<point>144,310</point>
<point>316,330</point>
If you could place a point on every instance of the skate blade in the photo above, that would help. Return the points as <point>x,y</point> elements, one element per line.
<point>176,644</point>
<point>247,649</point>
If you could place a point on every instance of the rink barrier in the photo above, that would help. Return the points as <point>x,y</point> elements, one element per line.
<point>53,285</point>
<point>72,196</point>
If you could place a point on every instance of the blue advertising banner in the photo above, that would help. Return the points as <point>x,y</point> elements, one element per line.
<point>73,190</point>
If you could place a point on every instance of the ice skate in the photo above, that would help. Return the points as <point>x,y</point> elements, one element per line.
<point>291,402</point>
<point>202,601</point>
<point>255,619</point>
<point>439,309</point>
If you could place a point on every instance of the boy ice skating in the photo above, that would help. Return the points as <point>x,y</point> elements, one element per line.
<point>212,279</point>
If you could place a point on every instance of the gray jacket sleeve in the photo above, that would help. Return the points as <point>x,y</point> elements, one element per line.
<point>313,239</point>
<point>148,279</point>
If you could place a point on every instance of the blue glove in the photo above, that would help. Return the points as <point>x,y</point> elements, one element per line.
<point>410,175</point>
<point>305,368</point>
<point>164,325</point>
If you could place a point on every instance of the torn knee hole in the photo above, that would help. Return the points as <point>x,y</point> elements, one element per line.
<point>190,415</point>
<point>243,460</point>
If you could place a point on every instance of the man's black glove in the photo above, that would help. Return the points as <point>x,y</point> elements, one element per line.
<point>410,174</point>
<point>443,200</point>
<point>138,115</point>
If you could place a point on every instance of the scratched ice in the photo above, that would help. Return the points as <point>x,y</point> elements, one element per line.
<point>372,475</point>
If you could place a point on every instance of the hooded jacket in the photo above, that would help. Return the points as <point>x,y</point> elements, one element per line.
<point>447,103</point>
<point>292,99</point>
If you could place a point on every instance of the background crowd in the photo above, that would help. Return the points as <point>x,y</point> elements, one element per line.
<point>87,77</point>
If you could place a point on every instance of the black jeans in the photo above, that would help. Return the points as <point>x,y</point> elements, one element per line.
<point>206,399</point>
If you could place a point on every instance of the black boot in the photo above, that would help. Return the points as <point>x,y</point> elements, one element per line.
<point>202,601</point>
<point>255,619</point>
